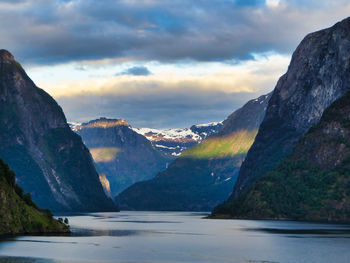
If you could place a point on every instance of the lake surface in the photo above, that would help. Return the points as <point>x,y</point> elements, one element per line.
<point>181,237</point>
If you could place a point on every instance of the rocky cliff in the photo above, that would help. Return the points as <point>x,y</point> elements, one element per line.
<point>203,175</point>
<point>18,213</point>
<point>318,75</point>
<point>122,156</point>
<point>313,183</point>
<point>50,161</point>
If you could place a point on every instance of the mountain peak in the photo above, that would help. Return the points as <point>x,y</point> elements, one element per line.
<point>6,56</point>
<point>102,123</point>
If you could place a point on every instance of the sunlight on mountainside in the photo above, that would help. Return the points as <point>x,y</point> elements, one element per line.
<point>105,184</point>
<point>105,154</point>
<point>219,147</point>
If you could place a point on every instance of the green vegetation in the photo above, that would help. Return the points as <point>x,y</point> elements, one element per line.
<point>232,145</point>
<point>297,191</point>
<point>18,213</point>
<point>312,183</point>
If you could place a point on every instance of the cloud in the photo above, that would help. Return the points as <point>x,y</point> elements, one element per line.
<point>257,75</point>
<point>171,98</point>
<point>51,32</point>
<point>158,110</point>
<point>210,54</point>
<point>136,71</point>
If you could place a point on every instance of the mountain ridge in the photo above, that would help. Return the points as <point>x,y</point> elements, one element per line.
<point>50,161</point>
<point>203,175</point>
<point>121,155</point>
<point>316,77</point>
<point>175,140</point>
<point>310,184</point>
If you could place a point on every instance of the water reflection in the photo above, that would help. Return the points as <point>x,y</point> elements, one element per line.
<point>302,231</point>
<point>164,237</point>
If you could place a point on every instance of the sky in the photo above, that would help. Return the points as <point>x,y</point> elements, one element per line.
<point>159,63</point>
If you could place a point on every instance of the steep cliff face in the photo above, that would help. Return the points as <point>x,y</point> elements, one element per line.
<point>313,183</point>
<point>50,161</point>
<point>18,214</point>
<point>121,155</point>
<point>203,175</point>
<point>318,74</point>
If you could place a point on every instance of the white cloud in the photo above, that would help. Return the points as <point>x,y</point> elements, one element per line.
<point>272,3</point>
<point>254,76</point>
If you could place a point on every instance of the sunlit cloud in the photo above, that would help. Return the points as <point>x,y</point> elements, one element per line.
<point>254,76</point>
<point>162,63</point>
<point>174,95</point>
<point>272,3</point>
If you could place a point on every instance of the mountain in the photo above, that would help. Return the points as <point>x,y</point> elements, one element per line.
<point>50,161</point>
<point>122,156</point>
<point>317,76</point>
<point>18,213</point>
<point>313,183</point>
<point>175,141</point>
<point>203,175</point>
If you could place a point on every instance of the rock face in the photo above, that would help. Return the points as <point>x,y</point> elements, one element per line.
<point>204,175</point>
<point>122,156</point>
<point>50,161</point>
<point>313,183</point>
<point>318,75</point>
<point>18,213</point>
<point>174,141</point>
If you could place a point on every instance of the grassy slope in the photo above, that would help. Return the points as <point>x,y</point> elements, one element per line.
<point>18,214</point>
<point>232,145</point>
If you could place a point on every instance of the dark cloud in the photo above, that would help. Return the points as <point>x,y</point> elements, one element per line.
<point>157,110</point>
<point>136,71</point>
<point>250,2</point>
<point>12,1</point>
<point>50,32</point>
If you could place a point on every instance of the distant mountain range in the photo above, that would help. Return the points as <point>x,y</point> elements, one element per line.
<point>298,166</point>
<point>50,161</point>
<point>175,141</point>
<point>121,155</point>
<point>171,141</point>
<point>124,155</point>
<point>204,174</point>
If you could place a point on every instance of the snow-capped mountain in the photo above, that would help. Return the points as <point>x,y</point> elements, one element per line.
<point>175,141</point>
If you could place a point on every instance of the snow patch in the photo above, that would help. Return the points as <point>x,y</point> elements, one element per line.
<point>73,125</point>
<point>209,124</point>
<point>168,134</point>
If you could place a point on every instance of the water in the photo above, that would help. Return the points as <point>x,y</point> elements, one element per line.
<point>166,237</point>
